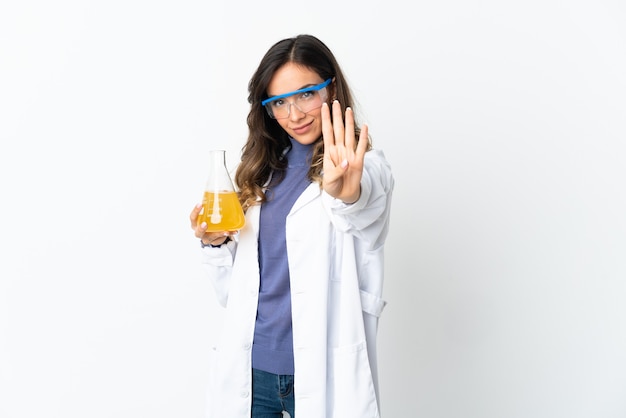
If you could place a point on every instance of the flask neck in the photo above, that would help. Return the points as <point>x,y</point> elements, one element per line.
<point>219,177</point>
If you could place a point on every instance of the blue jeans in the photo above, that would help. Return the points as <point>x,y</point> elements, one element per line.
<point>272,394</point>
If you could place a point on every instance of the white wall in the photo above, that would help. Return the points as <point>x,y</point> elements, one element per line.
<point>505,125</point>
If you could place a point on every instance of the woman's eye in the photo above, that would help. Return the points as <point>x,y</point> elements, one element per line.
<point>278,103</point>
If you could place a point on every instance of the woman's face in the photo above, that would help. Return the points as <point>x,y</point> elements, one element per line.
<point>305,128</point>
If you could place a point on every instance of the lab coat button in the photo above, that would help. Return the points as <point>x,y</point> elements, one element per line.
<point>245,393</point>
<point>247,346</point>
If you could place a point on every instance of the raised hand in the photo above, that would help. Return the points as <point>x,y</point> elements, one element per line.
<point>343,157</point>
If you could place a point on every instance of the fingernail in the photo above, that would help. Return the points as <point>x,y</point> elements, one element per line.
<point>344,163</point>
<point>198,205</point>
<point>203,225</point>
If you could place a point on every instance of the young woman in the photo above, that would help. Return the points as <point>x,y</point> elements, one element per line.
<point>301,283</point>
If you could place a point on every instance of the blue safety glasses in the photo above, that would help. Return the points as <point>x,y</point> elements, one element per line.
<point>306,100</point>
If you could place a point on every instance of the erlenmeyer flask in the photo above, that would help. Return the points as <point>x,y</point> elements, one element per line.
<point>221,209</point>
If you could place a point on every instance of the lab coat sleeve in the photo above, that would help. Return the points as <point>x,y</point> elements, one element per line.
<point>218,263</point>
<point>368,217</point>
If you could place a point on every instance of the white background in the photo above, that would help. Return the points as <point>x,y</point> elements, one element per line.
<point>506,260</point>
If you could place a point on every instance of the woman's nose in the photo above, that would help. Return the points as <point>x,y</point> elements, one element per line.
<point>294,112</point>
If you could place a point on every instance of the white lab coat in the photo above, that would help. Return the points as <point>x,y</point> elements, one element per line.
<point>335,254</point>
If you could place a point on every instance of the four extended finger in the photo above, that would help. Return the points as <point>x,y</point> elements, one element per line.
<point>338,125</point>
<point>349,141</point>
<point>327,131</point>
<point>363,142</point>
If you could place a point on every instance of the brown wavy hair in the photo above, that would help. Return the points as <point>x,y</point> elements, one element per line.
<point>262,154</point>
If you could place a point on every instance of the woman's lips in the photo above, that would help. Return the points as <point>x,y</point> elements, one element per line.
<point>302,129</point>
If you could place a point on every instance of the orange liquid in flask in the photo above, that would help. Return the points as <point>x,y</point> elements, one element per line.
<point>223,214</point>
